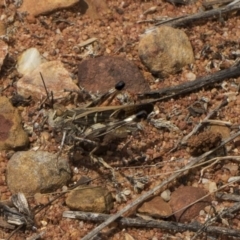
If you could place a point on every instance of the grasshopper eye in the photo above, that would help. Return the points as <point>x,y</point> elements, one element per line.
<point>120,85</point>
<point>141,114</point>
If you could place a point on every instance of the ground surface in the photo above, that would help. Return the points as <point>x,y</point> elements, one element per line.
<point>118,32</point>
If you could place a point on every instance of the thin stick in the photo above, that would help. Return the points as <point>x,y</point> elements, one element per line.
<point>137,222</point>
<point>15,231</point>
<point>217,122</point>
<point>208,4</point>
<point>228,197</point>
<point>190,86</point>
<point>45,87</point>
<point>52,99</point>
<point>185,21</point>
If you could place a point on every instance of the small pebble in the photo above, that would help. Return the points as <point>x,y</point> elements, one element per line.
<point>165,195</point>
<point>212,187</point>
<point>190,76</point>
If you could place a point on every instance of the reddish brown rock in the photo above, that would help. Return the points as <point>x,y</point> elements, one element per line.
<point>102,73</point>
<point>94,8</point>
<point>184,196</point>
<point>156,207</point>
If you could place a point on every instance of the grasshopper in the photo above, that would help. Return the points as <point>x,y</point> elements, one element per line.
<point>93,122</point>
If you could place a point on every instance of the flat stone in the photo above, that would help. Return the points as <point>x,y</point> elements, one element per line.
<point>165,51</point>
<point>102,73</point>
<point>31,172</point>
<point>156,207</point>
<point>36,8</point>
<point>12,135</point>
<point>55,76</point>
<point>90,199</point>
<point>184,196</point>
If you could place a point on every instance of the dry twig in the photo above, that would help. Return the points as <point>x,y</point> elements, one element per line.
<point>214,13</point>
<point>210,4</point>
<point>137,222</point>
<point>228,197</point>
<point>192,86</point>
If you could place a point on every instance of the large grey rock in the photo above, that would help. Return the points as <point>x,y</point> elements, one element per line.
<point>165,50</point>
<point>12,135</point>
<point>31,172</point>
